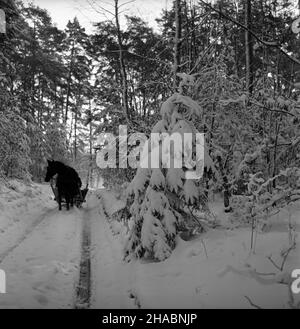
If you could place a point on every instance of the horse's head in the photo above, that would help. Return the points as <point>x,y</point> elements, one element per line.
<point>51,170</point>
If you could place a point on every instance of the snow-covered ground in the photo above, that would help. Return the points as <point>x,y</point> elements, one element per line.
<point>214,271</point>
<point>40,251</point>
<point>111,277</point>
<point>21,208</point>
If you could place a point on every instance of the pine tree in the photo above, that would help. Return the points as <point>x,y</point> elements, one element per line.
<point>151,193</point>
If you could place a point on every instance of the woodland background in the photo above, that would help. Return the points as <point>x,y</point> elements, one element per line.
<point>61,88</point>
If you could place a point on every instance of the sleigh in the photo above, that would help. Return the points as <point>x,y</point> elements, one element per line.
<point>79,198</point>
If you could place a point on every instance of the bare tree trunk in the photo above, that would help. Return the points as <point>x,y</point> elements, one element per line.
<point>91,147</point>
<point>277,129</point>
<point>193,37</point>
<point>33,68</point>
<point>69,82</point>
<point>248,48</point>
<point>122,64</point>
<point>236,56</point>
<point>75,135</point>
<point>226,186</point>
<point>177,41</point>
<point>70,132</point>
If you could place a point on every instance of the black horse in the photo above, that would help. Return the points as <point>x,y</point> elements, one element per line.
<point>68,182</point>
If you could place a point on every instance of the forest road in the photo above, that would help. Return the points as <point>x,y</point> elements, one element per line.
<point>112,279</point>
<point>42,267</point>
<point>26,234</point>
<point>69,259</point>
<point>83,290</point>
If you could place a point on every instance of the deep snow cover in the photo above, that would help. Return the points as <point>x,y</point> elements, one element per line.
<point>216,270</point>
<point>40,253</point>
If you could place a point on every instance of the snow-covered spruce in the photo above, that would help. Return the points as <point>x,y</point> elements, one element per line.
<point>152,192</point>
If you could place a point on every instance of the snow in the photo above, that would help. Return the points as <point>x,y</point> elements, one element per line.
<point>43,270</point>
<point>41,252</point>
<point>111,277</point>
<point>174,179</point>
<point>157,178</point>
<point>296,26</point>
<point>21,207</point>
<point>216,270</point>
<point>191,191</point>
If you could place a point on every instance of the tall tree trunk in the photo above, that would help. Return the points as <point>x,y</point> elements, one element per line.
<point>33,68</point>
<point>248,48</point>
<point>226,186</point>
<point>91,156</point>
<point>70,133</point>
<point>69,82</point>
<point>90,168</point>
<point>75,135</point>
<point>177,41</point>
<point>193,44</point>
<point>122,64</point>
<point>277,131</point>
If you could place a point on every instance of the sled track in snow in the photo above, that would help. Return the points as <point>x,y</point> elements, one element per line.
<point>83,291</point>
<point>27,233</point>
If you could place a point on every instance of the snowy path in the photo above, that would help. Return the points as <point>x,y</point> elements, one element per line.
<point>61,259</point>
<point>75,260</point>
<point>112,279</point>
<point>12,241</point>
<point>65,260</point>
<point>21,210</point>
<point>42,268</point>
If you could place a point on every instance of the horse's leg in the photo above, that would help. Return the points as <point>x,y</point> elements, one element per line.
<point>72,201</point>
<point>68,200</point>
<point>59,200</point>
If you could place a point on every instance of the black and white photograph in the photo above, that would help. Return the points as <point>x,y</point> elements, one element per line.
<point>149,156</point>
